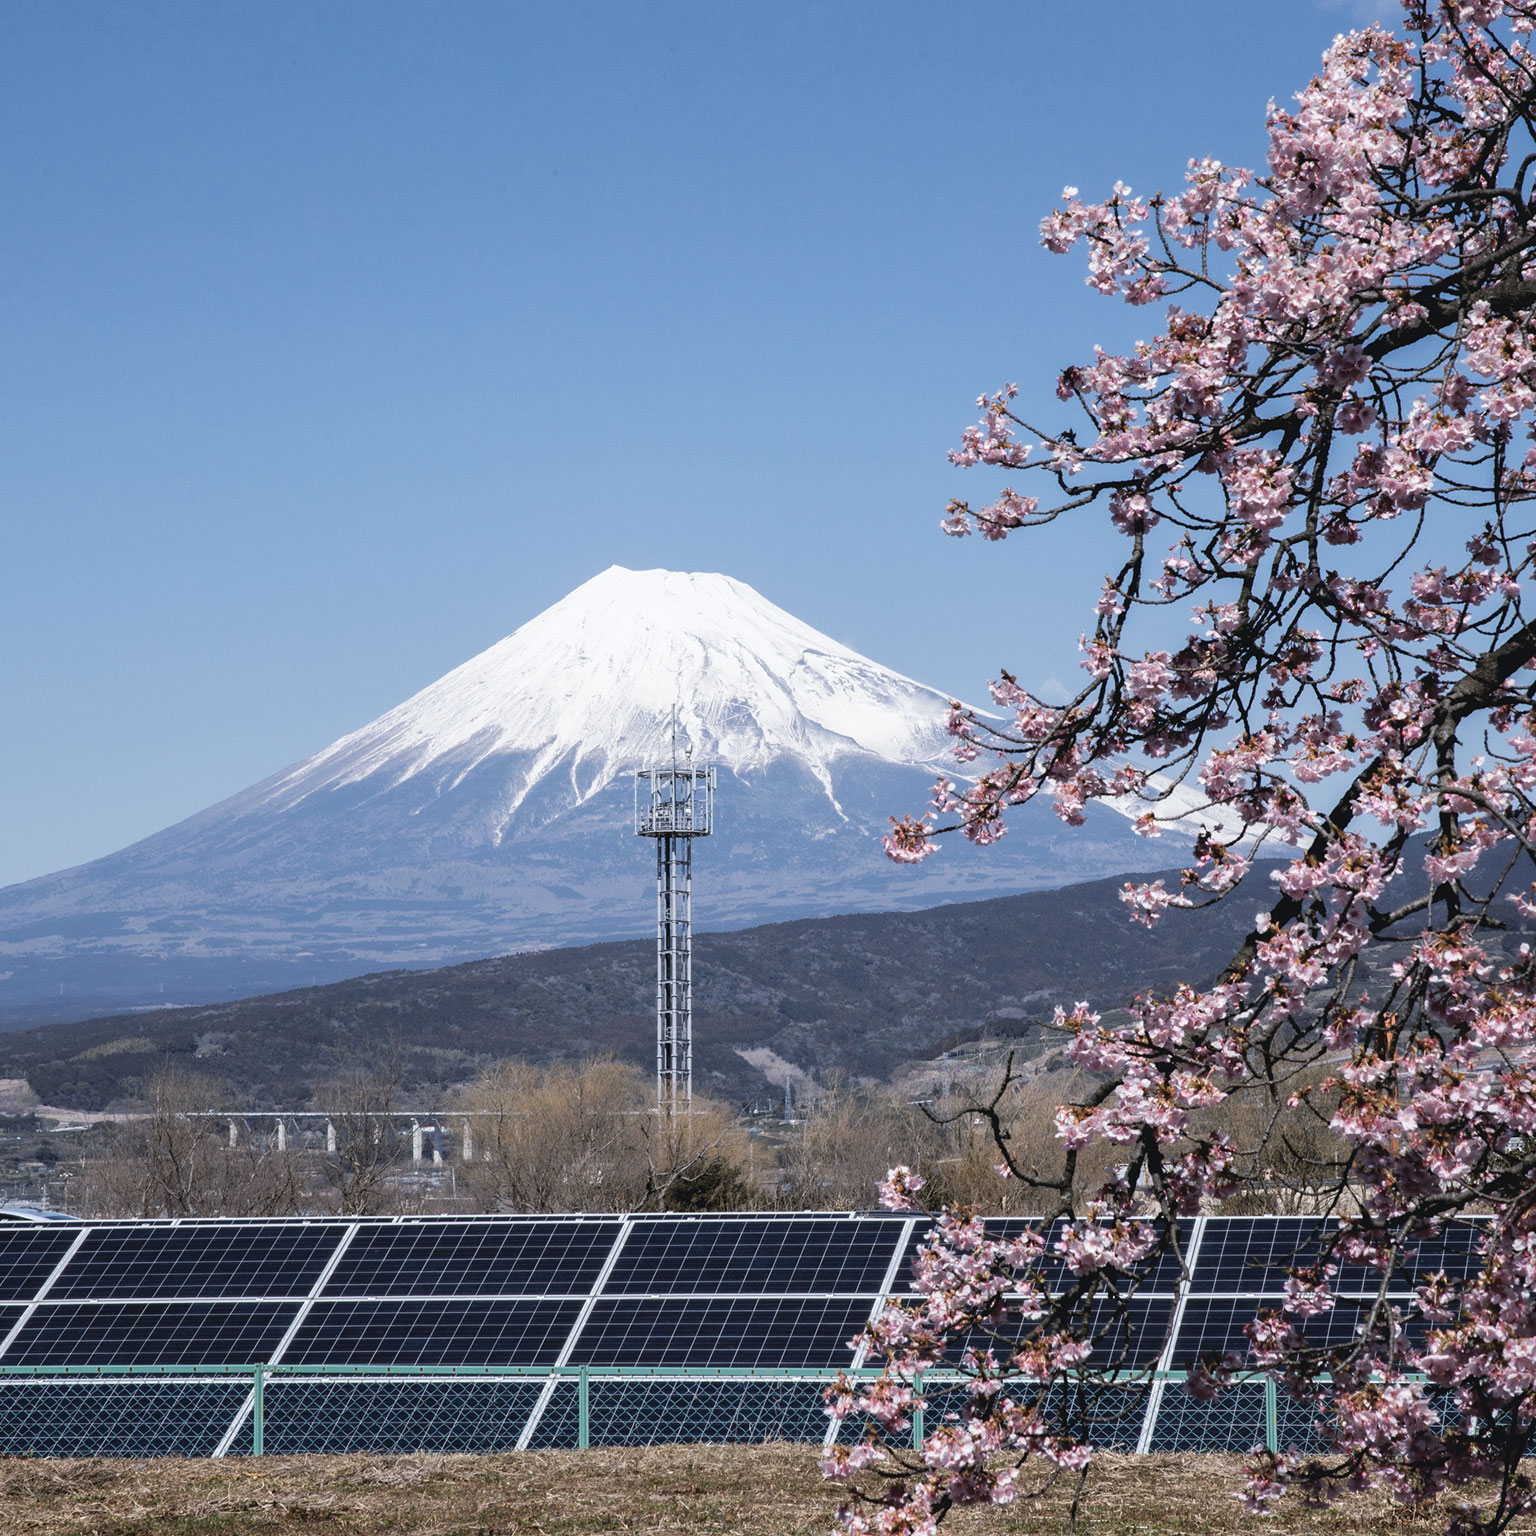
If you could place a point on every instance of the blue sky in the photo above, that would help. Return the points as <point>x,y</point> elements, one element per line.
<point>341,338</point>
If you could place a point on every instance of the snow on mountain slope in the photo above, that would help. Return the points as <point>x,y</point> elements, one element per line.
<point>598,681</point>
<point>493,812</point>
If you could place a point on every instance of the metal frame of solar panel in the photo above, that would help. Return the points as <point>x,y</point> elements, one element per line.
<point>222,1337</point>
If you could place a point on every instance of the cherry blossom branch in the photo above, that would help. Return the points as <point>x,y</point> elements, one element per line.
<point>1336,430</point>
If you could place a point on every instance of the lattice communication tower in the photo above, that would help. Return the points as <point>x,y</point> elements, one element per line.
<point>674,805</point>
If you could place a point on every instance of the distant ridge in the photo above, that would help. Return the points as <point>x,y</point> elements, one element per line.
<point>854,995</point>
<point>490,813</point>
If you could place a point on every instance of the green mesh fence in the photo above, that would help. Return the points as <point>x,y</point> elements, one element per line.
<point>305,1415</point>
<point>117,1416</point>
<point>288,1410</point>
<point>1236,1421</point>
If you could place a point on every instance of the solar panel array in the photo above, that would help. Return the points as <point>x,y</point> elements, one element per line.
<point>469,1333</point>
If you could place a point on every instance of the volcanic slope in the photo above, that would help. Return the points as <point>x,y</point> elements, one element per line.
<point>492,813</point>
<point>859,995</point>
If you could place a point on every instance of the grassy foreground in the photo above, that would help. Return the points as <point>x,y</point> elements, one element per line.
<point>768,1490</point>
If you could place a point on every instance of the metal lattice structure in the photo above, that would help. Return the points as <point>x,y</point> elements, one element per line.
<point>233,1337</point>
<point>674,805</point>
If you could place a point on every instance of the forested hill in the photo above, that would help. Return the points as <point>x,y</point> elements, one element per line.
<point>860,994</point>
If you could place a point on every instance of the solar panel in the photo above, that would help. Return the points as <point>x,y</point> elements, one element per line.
<point>265,1259</point>
<point>28,1255</point>
<point>1214,1326</point>
<point>1130,1335</point>
<point>1252,1256</point>
<point>1126,1335</point>
<point>1248,1254</point>
<point>745,1255</point>
<point>1454,1249</point>
<point>433,1333</point>
<point>474,1258</point>
<point>998,1229</point>
<point>166,1333</point>
<point>1162,1278</point>
<point>794,1332</point>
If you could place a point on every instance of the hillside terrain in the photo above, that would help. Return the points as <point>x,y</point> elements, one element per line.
<point>859,995</point>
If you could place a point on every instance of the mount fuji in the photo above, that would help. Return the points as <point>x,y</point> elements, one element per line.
<point>493,812</point>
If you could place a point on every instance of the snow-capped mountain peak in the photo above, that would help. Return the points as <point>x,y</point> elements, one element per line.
<point>494,811</point>
<point>596,681</point>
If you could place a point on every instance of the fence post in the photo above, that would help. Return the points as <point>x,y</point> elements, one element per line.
<point>1271,1415</point>
<point>583,1411</point>
<point>917,1415</point>
<point>258,1412</point>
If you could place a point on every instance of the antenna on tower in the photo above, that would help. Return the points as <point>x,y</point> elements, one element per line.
<point>674,805</point>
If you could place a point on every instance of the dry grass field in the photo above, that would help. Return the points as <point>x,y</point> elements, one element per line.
<point>769,1490</point>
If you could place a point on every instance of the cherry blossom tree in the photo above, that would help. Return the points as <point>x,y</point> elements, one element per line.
<point>1322,467</point>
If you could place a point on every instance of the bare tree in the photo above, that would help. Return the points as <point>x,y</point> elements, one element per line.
<point>847,1139</point>
<point>589,1138</point>
<point>362,1146</point>
<point>696,1160</point>
<point>555,1140</point>
<point>176,1160</point>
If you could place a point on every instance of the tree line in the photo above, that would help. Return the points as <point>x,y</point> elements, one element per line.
<point>587,1137</point>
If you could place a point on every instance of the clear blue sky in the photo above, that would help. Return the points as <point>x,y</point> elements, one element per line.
<point>341,338</point>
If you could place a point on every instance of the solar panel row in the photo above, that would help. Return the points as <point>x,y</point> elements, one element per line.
<point>275,1260</point>
<point>811,1332</point>
<point>468,1292</point>
<point>670,1293</point>
<point>502,1256</point>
